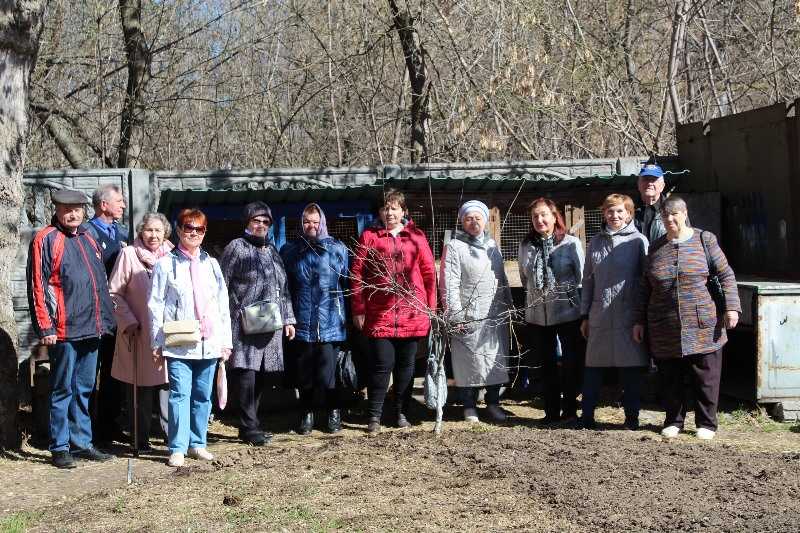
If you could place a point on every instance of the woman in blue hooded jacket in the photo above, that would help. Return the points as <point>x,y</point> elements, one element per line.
<point>317,269</point>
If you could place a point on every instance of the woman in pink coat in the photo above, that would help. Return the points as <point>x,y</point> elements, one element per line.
<point>130,290</point>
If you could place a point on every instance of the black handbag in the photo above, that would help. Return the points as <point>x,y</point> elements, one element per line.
<point>713,284</point>
<point>346,377</point>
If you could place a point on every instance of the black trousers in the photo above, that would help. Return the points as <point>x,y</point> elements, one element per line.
<point>250,386</point>
<point>106,400</point>
<point>395,357</point>
<point>562,377</point>
<point>703,372</point>
<point>315,369</point>
<point>144,399</point>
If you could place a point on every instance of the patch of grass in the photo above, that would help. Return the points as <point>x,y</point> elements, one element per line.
<point>296,517</point>
<point>119,505</point>
<point>479,428</point>
<point>752,417</point>
<point>19,522</point>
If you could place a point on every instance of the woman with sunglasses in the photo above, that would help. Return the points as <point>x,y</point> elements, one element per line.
<point>188,286</point>
<point>254,273</point>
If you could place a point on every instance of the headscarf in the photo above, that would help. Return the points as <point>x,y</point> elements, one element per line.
<point>322,232</point>
<point>148,257</point>
<point>473,205</point>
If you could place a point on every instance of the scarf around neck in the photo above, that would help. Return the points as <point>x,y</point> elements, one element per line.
<point>148,257</point>
<point>198,291</point>
<point>543,278</point>
<point>255,240</point>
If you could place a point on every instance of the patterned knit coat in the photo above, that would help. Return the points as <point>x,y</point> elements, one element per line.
<point>676,306</point>
<point>254,274</point>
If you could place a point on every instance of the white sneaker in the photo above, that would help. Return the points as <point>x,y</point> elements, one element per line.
<point>471,414</point>
<point>705,433</point>
<point>176,459</point>
<point>670,432</point>
<point>201,453</point>
<point>496,413</point>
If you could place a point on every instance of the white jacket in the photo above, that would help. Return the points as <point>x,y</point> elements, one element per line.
<point>172,298</point>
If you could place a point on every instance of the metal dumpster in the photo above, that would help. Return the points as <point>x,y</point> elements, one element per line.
<point>762,358</point>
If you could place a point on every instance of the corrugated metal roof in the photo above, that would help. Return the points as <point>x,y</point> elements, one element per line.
<point>279,192</point>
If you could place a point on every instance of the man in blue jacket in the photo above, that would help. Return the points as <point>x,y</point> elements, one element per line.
<point>111,237</point>
<point>70,311</point>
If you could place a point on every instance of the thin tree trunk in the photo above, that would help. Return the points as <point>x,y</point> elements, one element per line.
<point>414,55</point>
<point>138,56</point>
<point>20,29</point>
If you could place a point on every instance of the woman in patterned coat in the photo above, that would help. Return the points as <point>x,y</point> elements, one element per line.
<point>254,272</point>
<point>685,329</point>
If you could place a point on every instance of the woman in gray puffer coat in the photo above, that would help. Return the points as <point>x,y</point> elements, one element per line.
<point>477,301</point>
<point>611,277</point>
<point>551,269</point>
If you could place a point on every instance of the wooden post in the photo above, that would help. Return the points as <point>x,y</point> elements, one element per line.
<point>494,224</point>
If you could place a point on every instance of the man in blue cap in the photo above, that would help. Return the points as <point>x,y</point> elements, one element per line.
<point>71,310</point>
<point>647,217</point>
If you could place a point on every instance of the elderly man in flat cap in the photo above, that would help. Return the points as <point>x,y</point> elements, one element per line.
<point>70,311</point>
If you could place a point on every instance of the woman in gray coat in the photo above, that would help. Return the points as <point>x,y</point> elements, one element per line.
<point>254,272</point>
<point>611,276</point>
<point>551,268</point>
<point>477,301</point>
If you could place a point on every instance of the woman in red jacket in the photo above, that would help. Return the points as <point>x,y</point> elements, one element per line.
<point>394,297</point>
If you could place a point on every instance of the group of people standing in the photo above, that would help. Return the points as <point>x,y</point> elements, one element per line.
<point>173,314</point>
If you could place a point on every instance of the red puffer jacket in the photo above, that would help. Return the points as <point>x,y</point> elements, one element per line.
<point>394,283</point>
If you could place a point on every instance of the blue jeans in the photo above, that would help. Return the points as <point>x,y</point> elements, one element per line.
<point>190,382</point>
<point>72,372</point>
<point>631,378</point>
<point>469,396</point>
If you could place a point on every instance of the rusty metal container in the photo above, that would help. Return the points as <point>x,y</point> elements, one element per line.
<point>762,359</point>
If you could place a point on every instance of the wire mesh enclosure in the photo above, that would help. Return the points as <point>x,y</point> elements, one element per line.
<point>513,231</point>
<point>593,219</point>
<point>445,221</point>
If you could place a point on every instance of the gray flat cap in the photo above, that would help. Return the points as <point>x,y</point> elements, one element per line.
<point>68,196</point>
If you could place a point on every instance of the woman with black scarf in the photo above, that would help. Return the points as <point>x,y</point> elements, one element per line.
<point>254,272</point>
<point>551,270</point>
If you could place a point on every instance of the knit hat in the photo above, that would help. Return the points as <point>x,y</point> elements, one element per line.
<point>473,205</point>
<point>255,209</point>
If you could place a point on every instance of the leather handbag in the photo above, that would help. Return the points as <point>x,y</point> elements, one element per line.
<point>261,317</point>
<point>181,333</point>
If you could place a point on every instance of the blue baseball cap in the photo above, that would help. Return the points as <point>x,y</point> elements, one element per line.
<point>652,170</point>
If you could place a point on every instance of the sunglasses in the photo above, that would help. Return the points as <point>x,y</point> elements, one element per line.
<point>263,221</point>
<point>188,228</point>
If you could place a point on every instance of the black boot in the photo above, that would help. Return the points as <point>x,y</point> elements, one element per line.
<point>306,423</point>
<point>402,421</point>
<point>63,460</point>
<point>334,421</point>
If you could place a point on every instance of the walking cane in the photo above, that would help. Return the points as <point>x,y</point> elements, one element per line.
<point>135,396</point>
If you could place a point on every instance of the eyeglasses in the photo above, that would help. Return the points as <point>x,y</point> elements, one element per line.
<point>188,228</point>
<point>263,221</point>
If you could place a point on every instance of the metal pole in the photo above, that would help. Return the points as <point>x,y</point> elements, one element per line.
<point>135,396</point>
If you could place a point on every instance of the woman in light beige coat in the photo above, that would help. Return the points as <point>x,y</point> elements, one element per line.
<point>130,284</point>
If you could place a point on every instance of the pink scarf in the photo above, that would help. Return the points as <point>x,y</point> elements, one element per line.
<point>200,302</point>
<point>147,257</point>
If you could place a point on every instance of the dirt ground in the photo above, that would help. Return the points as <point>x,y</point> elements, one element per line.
<point>515,476</point>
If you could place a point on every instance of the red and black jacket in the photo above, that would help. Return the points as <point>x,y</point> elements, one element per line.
<point>67,288</point>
